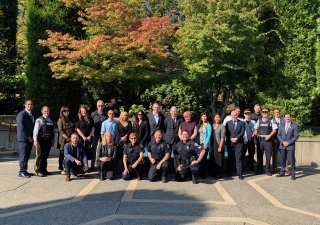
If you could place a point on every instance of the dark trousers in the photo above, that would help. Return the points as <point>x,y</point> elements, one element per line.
<point>275,150</point>
<point>172,161</point>
<point>138,170</point>
<point>251,150</point>
<point>204,164</point>
<point>24,155</point>
<point>263,146</point>
<point>186,170</point>
<point>234,158</point>
<point>154,173</point>
<point>68,165</point>
<point>106,168</point>
<point>61,157</point>
<point>292,159</point>
<point>95,140</point>
<point>42,153</point>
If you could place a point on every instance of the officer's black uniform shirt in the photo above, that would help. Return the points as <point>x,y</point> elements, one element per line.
<point>158,150</point>
<point>186,150</point>
<point>133,152</point>
<point>255,116</point>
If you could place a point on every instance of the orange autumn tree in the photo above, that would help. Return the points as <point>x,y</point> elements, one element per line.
<point>116,46</point>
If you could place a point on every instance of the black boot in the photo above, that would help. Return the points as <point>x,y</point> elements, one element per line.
<point>102,176</point>
<point>194,179</point>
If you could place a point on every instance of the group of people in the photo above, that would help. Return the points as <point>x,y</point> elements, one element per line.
<point>112,145</point>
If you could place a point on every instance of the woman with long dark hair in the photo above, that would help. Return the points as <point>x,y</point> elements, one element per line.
<point>85,129</point>
<point>65,129</point>
<point>217,155</point>
<point>141,128</point>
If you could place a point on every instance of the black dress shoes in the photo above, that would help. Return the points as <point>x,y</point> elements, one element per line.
<point>24,175</point>
<point>194,181</point>
<point>47,173</point>
<point>269,174</point>
<point>293,178</point>
<point>40,174</point>
<point>164,179</point>
<point>280,175</point>
<point>241,177</point>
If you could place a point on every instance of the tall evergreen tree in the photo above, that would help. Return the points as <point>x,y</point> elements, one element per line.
<point>41,87</point>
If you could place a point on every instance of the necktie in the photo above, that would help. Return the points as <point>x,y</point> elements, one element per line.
<point>234,125</point>
<point>31,116</point>
<point>173,121</point>
<point>287,127</point>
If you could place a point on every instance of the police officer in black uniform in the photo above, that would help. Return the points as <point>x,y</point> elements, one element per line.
<point>158,154</point>
<point>132,158</point>
<point>264,129</point>
<point>186,154</point>
<point>107,154</point>
<point>43,137</point>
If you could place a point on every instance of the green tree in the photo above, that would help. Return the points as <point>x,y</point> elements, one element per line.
<point>291,82</point>
<point>218,43</point>
<point>41,87</point>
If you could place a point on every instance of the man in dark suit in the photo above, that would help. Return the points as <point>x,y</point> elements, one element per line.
<point>75,157</point>
<point>287,136</point>
<point>234,132</point>
<point>25,124</point>
<point>275,142</point>
<point>171,128</point>
<point>156,120</point>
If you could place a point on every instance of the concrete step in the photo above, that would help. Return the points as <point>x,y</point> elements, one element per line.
<point>7,153</point>
<point>2,149</point>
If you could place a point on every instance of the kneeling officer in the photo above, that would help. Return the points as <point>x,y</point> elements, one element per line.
<point>185,155</point>
<point>158,154</point>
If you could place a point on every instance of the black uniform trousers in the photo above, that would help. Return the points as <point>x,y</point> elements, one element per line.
<point>154,174</point>
<point>251,150</point>
<point>185,171</point>
<point>24,155</point>
<point>68,165</point>
<point>42,153</point>
<point>138,170</point>
<point>234,158</point>
<point>106,168</point>
<point>263,146</point>
<point>275,150</point>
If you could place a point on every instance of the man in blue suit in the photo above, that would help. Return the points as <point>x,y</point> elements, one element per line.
<point>235,131</point>
<point>75,157</point>
<point>25,124</point>
<point>287,136</point>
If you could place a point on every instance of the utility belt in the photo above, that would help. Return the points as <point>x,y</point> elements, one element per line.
<point>187,162</point>
<point>46,137</point>
<point>260,138</point>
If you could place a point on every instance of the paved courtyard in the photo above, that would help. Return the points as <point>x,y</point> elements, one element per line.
<point>87,200</point>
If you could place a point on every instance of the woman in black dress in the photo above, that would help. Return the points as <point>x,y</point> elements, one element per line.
<point>141,128</point>
<point>65,129</point>
<point>85,129</point>
<point>123,129</point>
<point>217,156</point>
<point>107,153</point>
